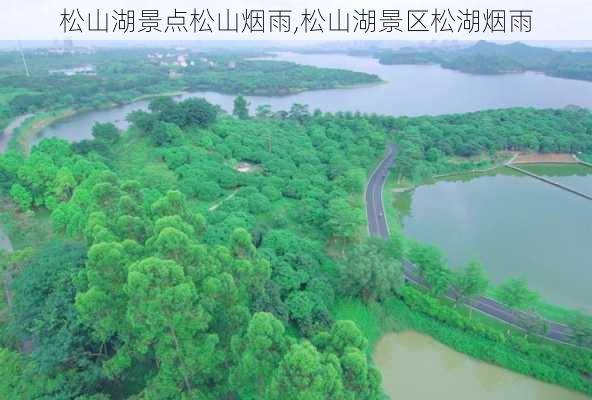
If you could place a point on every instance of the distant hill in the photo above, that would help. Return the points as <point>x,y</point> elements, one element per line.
<point>491,58</point>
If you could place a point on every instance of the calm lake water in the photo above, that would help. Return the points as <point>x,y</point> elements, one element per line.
<point>514,224</point>
<point>409,90</point>
<point>417,367</point>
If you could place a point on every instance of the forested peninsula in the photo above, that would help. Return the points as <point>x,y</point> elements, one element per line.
<point>490,58</point>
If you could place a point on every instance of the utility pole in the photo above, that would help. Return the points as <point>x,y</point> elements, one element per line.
<point>23,58</point>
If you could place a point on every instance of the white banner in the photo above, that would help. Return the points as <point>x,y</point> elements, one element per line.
<point>296,20</point>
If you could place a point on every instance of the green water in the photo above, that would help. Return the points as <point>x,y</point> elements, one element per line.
<point>514,224</point>
<point>417,367</point>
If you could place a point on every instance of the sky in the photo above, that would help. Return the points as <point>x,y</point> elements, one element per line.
<point>12,44</point>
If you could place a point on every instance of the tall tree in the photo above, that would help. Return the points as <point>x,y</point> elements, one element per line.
<point>241,107</point>
<point>106,132</point>
<point>102,305</point>
<point>48,323</point>
<point>370,272</point>
<point>304,374</point>
<point>469,282</point>
<point>259,353</point>
<point>167,321</point>
<point>581,327</point>
<point>432,267</point>
<point>344,220</point>
<point>515,294</point>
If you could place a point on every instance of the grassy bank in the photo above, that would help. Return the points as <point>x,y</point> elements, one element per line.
<point>419,312</point>
<point>31,127</point>
<point>25,229</point>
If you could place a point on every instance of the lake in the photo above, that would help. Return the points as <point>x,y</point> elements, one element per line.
<point>514,224</point>
<point>417,367</point>
<point>409,90</point>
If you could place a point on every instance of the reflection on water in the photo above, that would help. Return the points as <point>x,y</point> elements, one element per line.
<point>417,367</point>
<point>514,224</point>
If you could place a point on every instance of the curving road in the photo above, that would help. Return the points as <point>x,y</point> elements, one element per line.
<point>377,226</point>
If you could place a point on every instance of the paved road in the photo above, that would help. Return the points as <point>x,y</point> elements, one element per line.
<point>377,226</point>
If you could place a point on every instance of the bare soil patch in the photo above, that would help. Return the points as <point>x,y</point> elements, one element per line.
<point>246,167</point>
<point>546,158</point>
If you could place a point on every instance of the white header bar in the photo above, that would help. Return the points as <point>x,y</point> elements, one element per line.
<point>296,20</point>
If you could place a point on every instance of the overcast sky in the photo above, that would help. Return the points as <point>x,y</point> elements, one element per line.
<point>11,44</point>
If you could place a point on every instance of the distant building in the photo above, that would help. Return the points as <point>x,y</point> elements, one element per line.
<point>83,70</point>
<point>181,61</point>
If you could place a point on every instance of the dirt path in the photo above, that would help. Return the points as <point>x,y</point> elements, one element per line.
<point>545,158</point>
<point>218,204</point>
<point>7,134</point>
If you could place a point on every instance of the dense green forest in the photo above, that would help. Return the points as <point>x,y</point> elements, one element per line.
<point>491,58</point>
<point>437,145</point>
<point>202,255</point>
<point>120,76</point>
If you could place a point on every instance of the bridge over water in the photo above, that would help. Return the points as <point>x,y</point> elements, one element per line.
<point>550,181</point>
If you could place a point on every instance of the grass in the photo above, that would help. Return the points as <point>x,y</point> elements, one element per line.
<point>367,318</point>
<point>135,158</point>
<point>31,127</point>
<point>30,229</point>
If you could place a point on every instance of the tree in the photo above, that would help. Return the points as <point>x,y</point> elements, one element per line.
<point>64,184</point>
<point>166,320</point>
<point>165,133</point>
<point>469,282</point>
<point>21,196</point>
<point>343,335</point>
<point>515,294</point>
<point>344,220</point>
<point>165,107</point>
<point>242,243</point>
<point>395,245</point>
<point>106,132</point>
<point>353,181</point>
<point>46,317</point>
<point>299,112</point>
<point>533,323</point>
<point>102,305</point>
<point>258,203</point>
<point>348,344</point>
<point>145,122</point>
<point>305,374</point>
<point>241,107</point>
<point>370,273</point>
<point>263,111</point>
<point>581,328</point>
<point>197,111</point>
<point>259,353</point>
<point>19,380</point>
<point>432,267</point>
